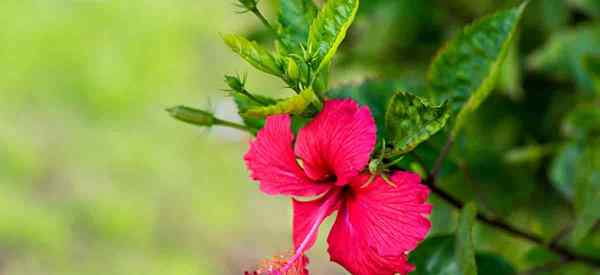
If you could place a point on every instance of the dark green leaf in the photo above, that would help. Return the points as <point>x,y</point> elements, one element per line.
<point>591,65</point>
<point>488,263</point>
<point>254,54</point>
<point>466,69</point>
<point>563,55</point>
<point>293,105</point>
<point>436,256</point>
<point>295,18</point>
<point>411,120</point>
<point>329,29</point>
<point>465,251</point>
<point>373,93</point>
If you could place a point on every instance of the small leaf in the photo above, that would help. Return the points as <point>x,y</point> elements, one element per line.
<point>465,71</point>
<point>244,104</point>
<point>411,120</point>
<point>587,190</point>
<point>488,263</point>
<point>254,54</point>
<point>192,116</point>
<point>329,29</point>
<point>295,18</point>
<point>374,93</point>
<point>293,105</point>
<point>464,240</point>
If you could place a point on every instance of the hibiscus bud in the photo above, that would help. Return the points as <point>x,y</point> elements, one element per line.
<point>192,116</point>
<point>292,70</point>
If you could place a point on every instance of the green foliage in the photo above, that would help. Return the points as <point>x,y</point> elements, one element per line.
<point>410,120</point>
<point>295,18</point>
<point>245,103</point>
<point>564,53</point>
<point>465,250</point>
<point>587,190</point>
<point>329,30</point>
<point>254,54</point>
<point>562,171</point>
<point>590,7</point>
<point>294,105</point>
<point>465,71</point>
<point>437,256</point>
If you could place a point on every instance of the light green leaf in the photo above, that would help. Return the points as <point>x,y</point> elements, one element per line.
<point>410,120</point>
<point>295,18</point>
<point>587,190</point>
<point>437,256</point>
<point>254,54</point>
<point>465,250</point>
<point>563,55</point>
<point>373,93</point>
<point>294,105</point>
<point>245,103</point>
<point>465,71</point>
<point>329,29</point>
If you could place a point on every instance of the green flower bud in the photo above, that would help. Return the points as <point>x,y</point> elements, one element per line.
<point>192,116</point>
<point>292,72</point>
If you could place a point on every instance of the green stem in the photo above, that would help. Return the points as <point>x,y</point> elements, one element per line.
<point>230,124</point>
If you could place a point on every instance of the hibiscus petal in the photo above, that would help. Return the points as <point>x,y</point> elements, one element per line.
<point>379,224</point>
<point>352,251</point>
<point>308,216</point>
<point>272,162</point>
<point>338,142</point>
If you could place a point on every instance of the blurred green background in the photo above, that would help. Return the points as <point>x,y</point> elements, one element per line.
<point>95,178</point>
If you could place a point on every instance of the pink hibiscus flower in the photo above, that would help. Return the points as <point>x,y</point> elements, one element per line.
<point>377,223</point>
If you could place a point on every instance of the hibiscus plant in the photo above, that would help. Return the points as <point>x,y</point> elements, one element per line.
<point>349,151</point>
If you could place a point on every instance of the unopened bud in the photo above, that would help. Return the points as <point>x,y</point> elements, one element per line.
<point>235,83</point>
<point>292,69</point>
<point>192,116</point>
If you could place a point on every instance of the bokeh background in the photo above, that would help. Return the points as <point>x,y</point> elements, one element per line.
<point>96,178</point>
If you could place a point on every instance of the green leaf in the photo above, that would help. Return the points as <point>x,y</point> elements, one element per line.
<point>465,71</point>
<point>563,55</point>
<point>329,29</point>
<point>245,103</point>
<point>437,256</point>
<point>465,250</point>
<point>254,54</point>
<point>587,190</point>
<point>373,93</point>
<point>294,105</point>
<point>411,120</point>
<point>562,169</point>
<point>295,18</point>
